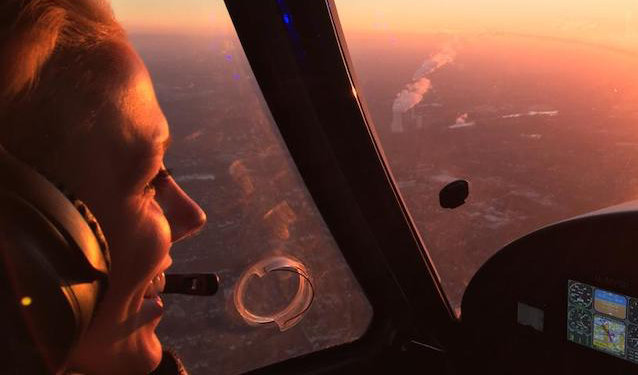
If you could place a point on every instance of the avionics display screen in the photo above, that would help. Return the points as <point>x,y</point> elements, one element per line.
<point>602,320</point>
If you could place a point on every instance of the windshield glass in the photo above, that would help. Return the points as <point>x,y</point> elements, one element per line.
<point>534,103</point>
<point>285,288</point>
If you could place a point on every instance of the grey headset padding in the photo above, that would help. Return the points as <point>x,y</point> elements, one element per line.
<point>54,266</point>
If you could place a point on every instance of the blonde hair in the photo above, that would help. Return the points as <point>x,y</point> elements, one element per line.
<point>55,59</point>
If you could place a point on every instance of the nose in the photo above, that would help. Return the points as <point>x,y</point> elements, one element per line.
<point>184,215</point>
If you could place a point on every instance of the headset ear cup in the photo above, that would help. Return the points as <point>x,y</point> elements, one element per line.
<point>44,313</point>
<point>54,266</point>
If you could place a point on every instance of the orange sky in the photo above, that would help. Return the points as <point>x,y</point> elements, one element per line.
<point>602,21</point>
<point>612,22</point>
<point>169,16</point>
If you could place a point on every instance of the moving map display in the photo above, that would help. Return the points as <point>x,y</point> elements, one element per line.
<point>602,320</point>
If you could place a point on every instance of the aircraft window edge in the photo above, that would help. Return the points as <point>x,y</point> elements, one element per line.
<point>374,138</point>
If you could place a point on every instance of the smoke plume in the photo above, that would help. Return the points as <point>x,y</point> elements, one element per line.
<point>411,95</point>
<point>462,122</point>
<point>413,92</point>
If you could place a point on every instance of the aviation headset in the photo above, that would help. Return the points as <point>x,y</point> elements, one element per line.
<point>54,264</point>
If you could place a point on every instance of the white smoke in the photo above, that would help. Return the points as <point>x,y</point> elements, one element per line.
<point>413,92</point>
<point>411,95</point>
<point>462,122</point>
<point>434,62</point>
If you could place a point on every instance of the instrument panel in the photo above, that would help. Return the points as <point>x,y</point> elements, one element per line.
<point>601,320</point>
<point>560,300</point>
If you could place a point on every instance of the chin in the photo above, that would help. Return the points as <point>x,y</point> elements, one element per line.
<point>139,353</point>
<point>142,351</point>
<point>149,355</point>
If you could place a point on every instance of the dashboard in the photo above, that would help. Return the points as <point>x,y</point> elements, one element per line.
<point>563,299</point>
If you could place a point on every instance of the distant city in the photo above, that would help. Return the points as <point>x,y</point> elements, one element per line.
<point>542,130</point>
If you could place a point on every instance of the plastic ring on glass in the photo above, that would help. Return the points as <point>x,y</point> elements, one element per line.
<point>298,306</point>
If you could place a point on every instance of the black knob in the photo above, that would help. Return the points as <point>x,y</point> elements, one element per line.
<point>454,194</point>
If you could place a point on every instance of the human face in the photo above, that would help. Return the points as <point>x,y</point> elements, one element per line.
<point>118,171</point>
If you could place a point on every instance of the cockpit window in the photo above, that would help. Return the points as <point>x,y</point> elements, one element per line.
<point>534,103</point>
<point>285,288</point>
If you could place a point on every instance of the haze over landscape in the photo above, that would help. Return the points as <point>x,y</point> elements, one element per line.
<point>542,129</point>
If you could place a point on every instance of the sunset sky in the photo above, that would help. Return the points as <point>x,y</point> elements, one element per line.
<point>167,16</point>
<point>606,21</point>
<point>412,15</point>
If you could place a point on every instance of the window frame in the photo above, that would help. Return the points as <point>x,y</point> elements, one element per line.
<point>299,57</point>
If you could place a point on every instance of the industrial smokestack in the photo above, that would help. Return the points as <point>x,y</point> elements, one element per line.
<point>397,122</point>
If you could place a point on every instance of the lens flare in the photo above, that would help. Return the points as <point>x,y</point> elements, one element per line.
<point>26,301</point>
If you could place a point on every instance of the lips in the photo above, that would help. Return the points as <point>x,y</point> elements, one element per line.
<point>156,286</point>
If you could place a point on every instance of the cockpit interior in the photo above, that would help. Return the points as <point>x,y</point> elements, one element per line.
<point>402,187</point>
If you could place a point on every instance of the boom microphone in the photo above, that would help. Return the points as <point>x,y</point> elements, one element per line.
<point>194,284</point>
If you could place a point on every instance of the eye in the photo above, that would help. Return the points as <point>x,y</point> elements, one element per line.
<point>149,189</point>
<point>160,179</point>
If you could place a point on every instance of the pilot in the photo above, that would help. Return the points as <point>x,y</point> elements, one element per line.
<point>77,103</point>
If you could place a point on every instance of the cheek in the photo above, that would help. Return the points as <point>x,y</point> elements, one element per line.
<point>139,244</point>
